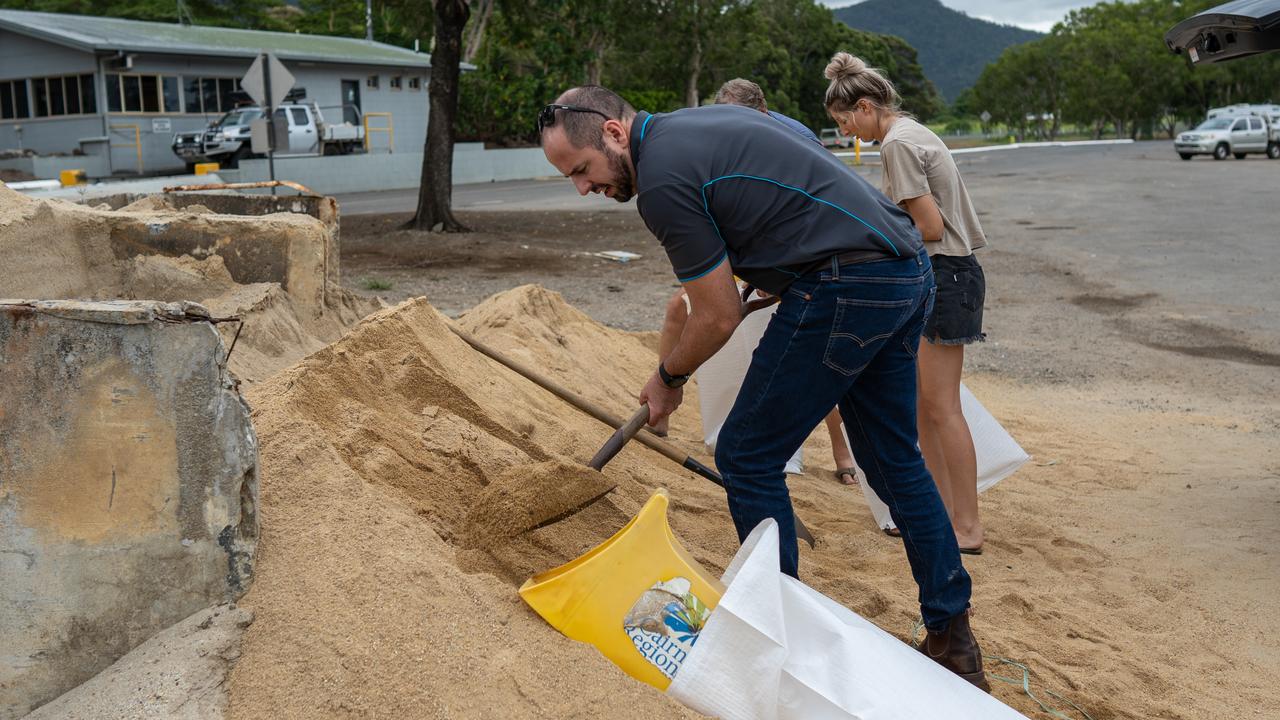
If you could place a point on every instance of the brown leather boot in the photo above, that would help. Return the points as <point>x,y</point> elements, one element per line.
<point>957,650</point>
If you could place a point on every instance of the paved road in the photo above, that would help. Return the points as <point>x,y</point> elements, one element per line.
<point>1200,238</point>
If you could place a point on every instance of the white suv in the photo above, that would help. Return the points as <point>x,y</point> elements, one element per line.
<point>1223,136</point>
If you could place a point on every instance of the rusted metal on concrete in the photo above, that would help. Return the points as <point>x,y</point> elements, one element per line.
<point>128,485</point>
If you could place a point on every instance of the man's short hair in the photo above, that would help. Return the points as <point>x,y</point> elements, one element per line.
<point>740,91</point>
<point>587,128</point>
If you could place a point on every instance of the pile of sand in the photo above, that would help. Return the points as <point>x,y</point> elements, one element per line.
<point>53,249</point>
<point>408,483</point>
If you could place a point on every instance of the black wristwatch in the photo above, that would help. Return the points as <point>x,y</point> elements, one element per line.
<point>671,381</point>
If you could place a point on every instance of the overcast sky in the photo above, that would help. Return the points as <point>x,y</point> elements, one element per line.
<point>1035,14</point>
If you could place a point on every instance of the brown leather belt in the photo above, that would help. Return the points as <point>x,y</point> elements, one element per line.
<point>848,257</point>
<point>854,257</point>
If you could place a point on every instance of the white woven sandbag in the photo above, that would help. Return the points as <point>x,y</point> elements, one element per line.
<point>776,649</point>
<point>998,454</point>
<point>720,377</point>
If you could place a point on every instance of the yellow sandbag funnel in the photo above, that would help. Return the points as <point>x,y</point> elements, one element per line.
<point>639,597</point>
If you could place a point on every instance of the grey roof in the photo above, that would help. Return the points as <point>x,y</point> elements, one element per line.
<point>91,33</point>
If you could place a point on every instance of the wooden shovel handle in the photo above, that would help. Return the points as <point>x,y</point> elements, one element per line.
<point>620,437</point>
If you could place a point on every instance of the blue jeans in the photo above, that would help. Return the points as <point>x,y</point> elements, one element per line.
<point>848,336</point>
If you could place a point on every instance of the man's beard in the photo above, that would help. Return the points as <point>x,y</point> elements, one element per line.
<point>624,182</point>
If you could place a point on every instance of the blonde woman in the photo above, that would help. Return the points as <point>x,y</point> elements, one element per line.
<point>921,177</point>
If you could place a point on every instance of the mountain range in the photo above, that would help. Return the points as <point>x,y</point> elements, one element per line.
<point>953,47</point>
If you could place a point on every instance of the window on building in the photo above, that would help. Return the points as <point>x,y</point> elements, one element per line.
<point>396,82</point>
<point>210,96</point>
<point>415,83</point>
<point>60,95</point>
<point>153,94</point>
<point>13,100</point>
<point>371,82</point>
<point>169,93</point>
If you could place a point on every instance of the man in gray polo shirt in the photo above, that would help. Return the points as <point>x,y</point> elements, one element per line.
<point>728,190</point>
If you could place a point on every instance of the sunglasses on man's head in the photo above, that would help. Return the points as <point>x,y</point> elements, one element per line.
<point>547,116</point>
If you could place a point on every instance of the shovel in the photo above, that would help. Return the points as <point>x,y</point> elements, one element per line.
<point>623,435</point>
<point>599,413</point>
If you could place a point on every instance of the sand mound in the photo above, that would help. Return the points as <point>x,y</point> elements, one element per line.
<point>409,486</point>
<point>53,249</point>
<point>607,366</point>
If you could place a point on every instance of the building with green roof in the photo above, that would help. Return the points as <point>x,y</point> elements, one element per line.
<point>110,88</point>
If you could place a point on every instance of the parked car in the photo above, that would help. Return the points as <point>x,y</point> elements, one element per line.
<point>227,141</point>
<point>1222,136</point>
<point>831,137</point>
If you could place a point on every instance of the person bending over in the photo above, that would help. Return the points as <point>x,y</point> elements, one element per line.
<point>745,93</point>
<point>728,191</point>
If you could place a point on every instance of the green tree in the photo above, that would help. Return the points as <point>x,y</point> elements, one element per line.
<point>1106,65</point>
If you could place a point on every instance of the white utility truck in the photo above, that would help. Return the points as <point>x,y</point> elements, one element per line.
<point>226,141</point>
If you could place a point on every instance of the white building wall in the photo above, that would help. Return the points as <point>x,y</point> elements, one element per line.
<point>23,57</point>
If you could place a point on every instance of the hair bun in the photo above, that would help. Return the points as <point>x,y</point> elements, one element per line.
<point>844,65</point>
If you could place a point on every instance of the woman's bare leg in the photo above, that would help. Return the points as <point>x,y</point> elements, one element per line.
<point>945,440</point>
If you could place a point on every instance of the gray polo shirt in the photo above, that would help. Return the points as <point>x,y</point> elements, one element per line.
<point>727,182</point>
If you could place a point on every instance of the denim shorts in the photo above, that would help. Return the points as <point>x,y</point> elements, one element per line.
<point>957,312</point>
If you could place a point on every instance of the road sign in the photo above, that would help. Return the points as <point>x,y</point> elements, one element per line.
<point>256,83</point>
<point>986,116</point>
<point>263,140</point>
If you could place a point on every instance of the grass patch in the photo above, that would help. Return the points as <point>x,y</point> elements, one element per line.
<point>376,284</point>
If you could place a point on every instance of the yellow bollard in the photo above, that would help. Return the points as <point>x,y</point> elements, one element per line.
<point>72,177</point>
<point>857,151</point>
<point>639,597</point>
<point>206,168</point>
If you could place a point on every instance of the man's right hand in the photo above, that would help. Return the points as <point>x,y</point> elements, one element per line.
<point>662,400</point>
<point>750,305</point>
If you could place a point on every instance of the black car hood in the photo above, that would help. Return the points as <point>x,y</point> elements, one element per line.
<point>1231,30</point>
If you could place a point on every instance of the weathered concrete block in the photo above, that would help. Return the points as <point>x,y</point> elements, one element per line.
<point>324,209</point>
<point>128,485</point>
<point>87,253</point>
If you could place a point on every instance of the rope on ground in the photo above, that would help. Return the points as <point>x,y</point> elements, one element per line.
<point>1025,682</point>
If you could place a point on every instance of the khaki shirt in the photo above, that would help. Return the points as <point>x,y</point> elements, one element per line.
<point>917,163</point>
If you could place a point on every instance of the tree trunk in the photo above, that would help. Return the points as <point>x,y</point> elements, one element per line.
<point>435,190</point>
<point>595,68</point>
<point>475,33</point>
<point>695,60</point>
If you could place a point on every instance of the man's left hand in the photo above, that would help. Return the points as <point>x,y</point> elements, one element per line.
<point>662,400</point>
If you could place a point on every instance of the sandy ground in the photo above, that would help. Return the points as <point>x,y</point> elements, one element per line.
<point>1131,565</point>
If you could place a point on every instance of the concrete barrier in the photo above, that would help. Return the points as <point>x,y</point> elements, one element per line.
<point>324,209</point>
<point>128,485</point>
<point>48,167</point>
<point>396,171</point>
<point>296,252</point>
